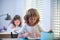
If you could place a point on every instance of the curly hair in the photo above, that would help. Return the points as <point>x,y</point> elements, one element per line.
<point>31,13</point>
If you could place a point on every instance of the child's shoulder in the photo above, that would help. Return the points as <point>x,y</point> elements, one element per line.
<point>24,24</point>
<point>37,25</point>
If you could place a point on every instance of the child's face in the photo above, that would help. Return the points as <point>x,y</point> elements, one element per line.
<point>32,20</point>
<point>17,22</point>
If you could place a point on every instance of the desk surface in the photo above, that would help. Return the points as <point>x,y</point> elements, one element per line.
<point>5,32</point>
<point>5,35</point>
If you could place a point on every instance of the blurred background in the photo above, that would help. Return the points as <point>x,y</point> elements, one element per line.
<point>48,11</point>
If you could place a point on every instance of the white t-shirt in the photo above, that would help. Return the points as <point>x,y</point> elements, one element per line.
<point>11,29</point>
<point>26,28</point>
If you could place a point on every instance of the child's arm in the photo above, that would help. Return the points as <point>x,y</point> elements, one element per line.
<point>22,32</point>
<point>29,34</point>
<point>23,35</point>
<point>20,36</point>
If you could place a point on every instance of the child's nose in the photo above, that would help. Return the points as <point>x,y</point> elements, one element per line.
<point>17,22</point>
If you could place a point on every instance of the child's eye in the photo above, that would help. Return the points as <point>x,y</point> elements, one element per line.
<point>34,18</point>
<point>31,19</point>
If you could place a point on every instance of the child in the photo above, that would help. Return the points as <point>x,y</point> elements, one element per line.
<point>31,29</point>
<point>15,25</point>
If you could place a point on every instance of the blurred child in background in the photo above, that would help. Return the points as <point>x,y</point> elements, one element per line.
<point>15,25</point>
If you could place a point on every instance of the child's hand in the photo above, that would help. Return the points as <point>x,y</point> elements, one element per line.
<point>30,34</point>
<point>27,34</point>
<point>37,34</point>
<point>20,36</point>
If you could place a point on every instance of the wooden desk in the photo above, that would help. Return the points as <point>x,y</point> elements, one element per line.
<point>5,35</point>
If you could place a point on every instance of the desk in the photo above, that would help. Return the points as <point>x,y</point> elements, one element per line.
<point>5,35</point>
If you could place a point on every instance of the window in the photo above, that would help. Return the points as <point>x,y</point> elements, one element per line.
<point>55,18</point>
